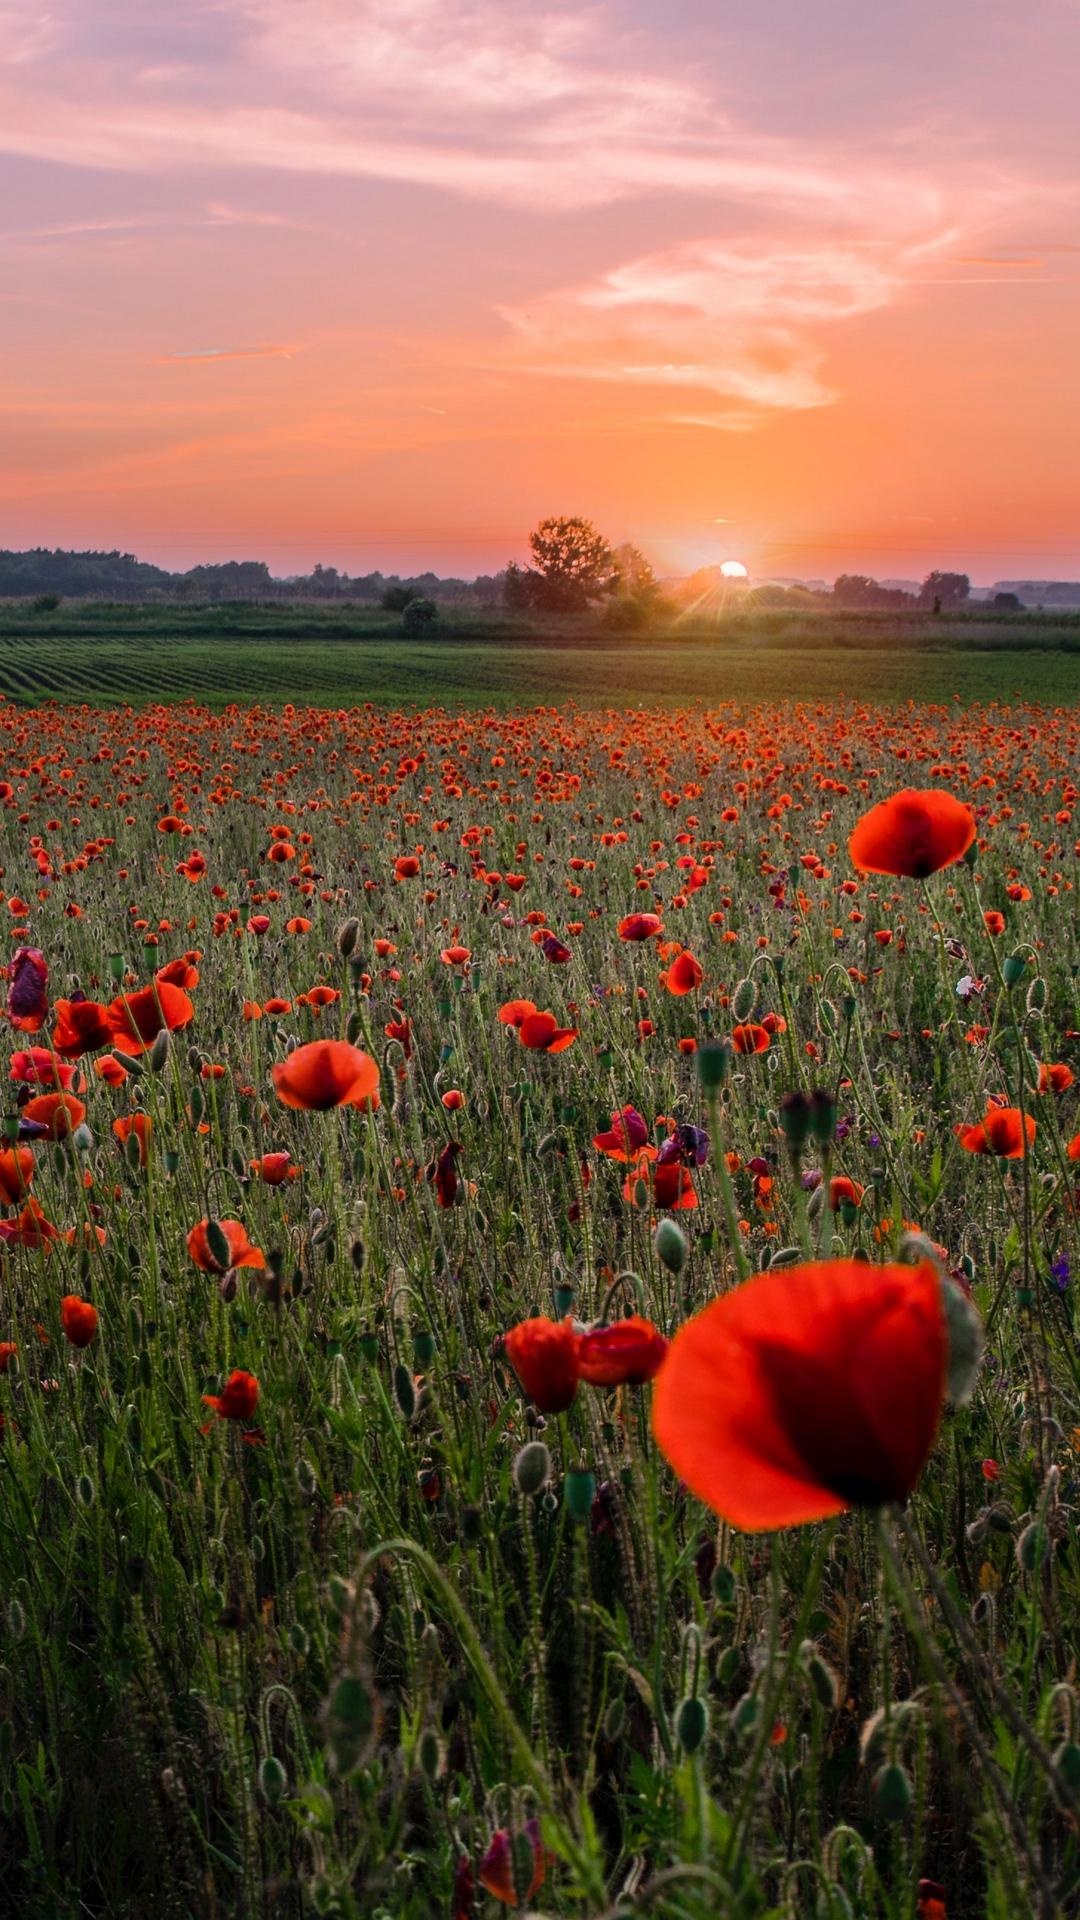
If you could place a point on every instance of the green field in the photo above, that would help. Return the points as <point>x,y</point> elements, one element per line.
<point>219,655</point>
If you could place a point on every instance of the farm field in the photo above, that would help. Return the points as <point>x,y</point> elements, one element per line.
<point>317,665</point>
<point>538,1251</point>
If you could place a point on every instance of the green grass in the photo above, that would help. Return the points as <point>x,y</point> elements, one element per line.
<point>140,666</point>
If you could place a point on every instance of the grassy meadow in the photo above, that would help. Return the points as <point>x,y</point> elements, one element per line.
<point>316,1597</point>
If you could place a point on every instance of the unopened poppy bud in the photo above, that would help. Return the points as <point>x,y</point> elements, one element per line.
<point>354,1028</point>
<point>729,1663</point>
<point>1067,1765</point>
<point>580,1491</point>
<point>159,1051</point>
<point>1001,1517</point>
<point>713,1062</point>
<point>430,1753</point>
<point>404,1391</point>
<point>348,934</point>
<point>786,1257</point>
<point>349,1723</point>
<point>217,1245</point>
<point>795,1120</point>
<point>827,1017</point>
<point>532,1468</point>
<point>1036,995</point>
<point>692,1724</point>
<point>273,1780</point>
<point>824,1684</point>
<point>822,1117</point>
<point>306,1478</point>
<point>423,1349</point>
<point>669,1242</point>
<point>339,1594</point>
<point>197,1104</point>
<point>893,1791</point>
<point>743,999</point>
<point>614,1719</point>
<point>1032,1547</point>
<point>965,1343</point>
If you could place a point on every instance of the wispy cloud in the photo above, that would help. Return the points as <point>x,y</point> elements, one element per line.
<point>187,355</point>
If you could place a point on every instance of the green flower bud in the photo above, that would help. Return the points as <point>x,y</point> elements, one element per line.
<point>532,1468</point>
<point>669,1243</point>
<point>692,1725</point>
<point>273,1780</point>
<point>893,1791</point>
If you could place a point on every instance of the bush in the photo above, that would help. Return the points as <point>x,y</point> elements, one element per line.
<point>419,616</point>
<point>396,599</point>
<point>45,603</point>
<point>625,613</point>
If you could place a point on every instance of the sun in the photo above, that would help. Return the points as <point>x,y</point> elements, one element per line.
<point>734,570</point>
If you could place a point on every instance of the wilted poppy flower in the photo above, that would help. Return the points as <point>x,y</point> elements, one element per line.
<point>325,1074</point>
<point>913,834</point>
<point>542,1033</point>
<point>53,1116</point>
<point>241,1253</point>
<point>750,1038</point>
<point>238,1398</point>
<point>136,1019</point>
<point>40,1067</point>
<point>1003,1131</point>
<point>626,1353</point>
<point>805,1391</point>
<point>497,1866</point>
<point>27,1000</point>
<point>688,1144</point>
<point>16,1173</point>
<point>443,1174</point>
<point>684,975</point>
<point>1054,1077</point>
<point>545,1356</point>
<point>30,1228</point>
<point>626,1138</point>
<point>555,950</point>
<point>640,926</point>
<point>78,1320</point>
<point>138,1126</point>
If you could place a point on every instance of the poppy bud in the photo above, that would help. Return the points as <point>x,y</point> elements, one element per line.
<point>159,1051</point>
<point>669,1242</point>
<point>742,1000</point>
<point>691,1725</point>
<point>965,1343</point>
<point>404,1391</point>
<point>1036,995</point>
<point>893,1791</point>
<point>713,1064</point>
<point>349,1723</point>
<point>532,1468</point>
<point>822,1117</point>
<point>795,1117</point>
<point>1032,1547</point>
<point>273,1780</point>
<point>1067,1765</point>
<point>348,934</point>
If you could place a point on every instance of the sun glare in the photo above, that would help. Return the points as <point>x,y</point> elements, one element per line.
<point>733,570</point>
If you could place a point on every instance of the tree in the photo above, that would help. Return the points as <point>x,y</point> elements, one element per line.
<point>396,598</point>
<point>419,616</point>
<point>944,590</point>
<point>574,565</point>
<point>1008,603</point>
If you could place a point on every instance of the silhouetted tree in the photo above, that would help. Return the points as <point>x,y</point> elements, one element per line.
<point>396,598</point>
<point>574,565</point>
<point>944,590</point>
<point>419,616</point>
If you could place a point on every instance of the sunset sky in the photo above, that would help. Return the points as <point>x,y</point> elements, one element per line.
<point>381,282</point>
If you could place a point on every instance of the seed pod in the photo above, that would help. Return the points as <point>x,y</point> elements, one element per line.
<point>713,1061</point>
<point>580,1491</point>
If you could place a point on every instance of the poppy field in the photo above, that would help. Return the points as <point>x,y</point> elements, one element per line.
<point>538,1360</point>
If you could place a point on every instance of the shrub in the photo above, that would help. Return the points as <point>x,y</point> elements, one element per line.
<point>419,616</point>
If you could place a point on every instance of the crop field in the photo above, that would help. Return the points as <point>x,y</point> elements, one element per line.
<point>317,664</point>
<point>538,1263</point>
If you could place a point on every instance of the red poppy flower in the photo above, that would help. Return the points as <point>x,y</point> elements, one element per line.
<point>40,1067</point>
<point>543,1034</point>
<point>455,956</point>
<point>913,834</point>
<point>274,1169</point>
<point>844,1192</point>
<point>241,1251</point>
<point>58,1113</point>
<point>238,1398</point>
<point>136,1019</point>
<point>325,1074</point>
<point>407,867</point>
<point>684,975</point>
<point>138,1126</point>
<point>671,1183</point>
<point>111,1070</point>
<point>1004,1131</point>
<point>514,1012</point>
<point>1072,1151</point>
<point>805,1391</point>
<point>8,1350</point>
<point>16,1173</point>
<point>497,1866</point>
<point>30,1228</point>
<point>1054,1077</point>
<point>78,1319</point>
<point>28,999</point>
<point>994,921</point>
<point>444,1176</point>
<point>453,1099</point>
<point>628,1352</point>
<point>545,1356</point>
<point>82,1026</point>
<point>181,972</point>
<point>640,926</point>
<point>750,1038</point>
<point>626,1138</point>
